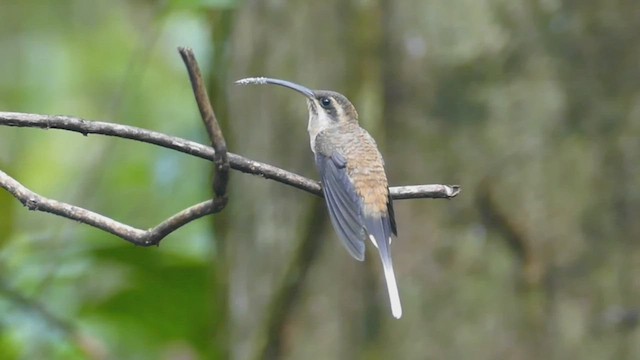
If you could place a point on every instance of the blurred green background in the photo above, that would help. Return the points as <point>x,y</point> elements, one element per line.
<point>533,106</point>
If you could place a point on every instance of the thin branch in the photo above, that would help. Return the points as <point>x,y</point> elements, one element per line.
<point>424,191</point>
<point>154,235</point>
<point>236,162</point>
<point>220,158</point>
<point>136,236</point>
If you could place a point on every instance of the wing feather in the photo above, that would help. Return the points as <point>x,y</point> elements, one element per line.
<point>345,208</point>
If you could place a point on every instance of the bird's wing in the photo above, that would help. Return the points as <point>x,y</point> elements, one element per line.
<point>343,202</point>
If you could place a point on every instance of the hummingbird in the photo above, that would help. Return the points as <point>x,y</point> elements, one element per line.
<point>352,175</point>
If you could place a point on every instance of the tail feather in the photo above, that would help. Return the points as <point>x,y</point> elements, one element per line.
<point>390,277</point>
<point>379,230</point>
<point>394,296</point>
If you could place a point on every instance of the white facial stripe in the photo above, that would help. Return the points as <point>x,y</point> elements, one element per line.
<point>318,123</point>
<point>340,109</point>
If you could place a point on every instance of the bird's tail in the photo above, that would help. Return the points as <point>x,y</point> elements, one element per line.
<point>380,234</point>
<point>390,277</point>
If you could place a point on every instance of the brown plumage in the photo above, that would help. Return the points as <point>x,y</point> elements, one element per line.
<point>364,163</point>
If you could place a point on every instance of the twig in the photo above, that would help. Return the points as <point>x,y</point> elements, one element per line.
<point>220,159</point>
<point>236,162</point>
<point>223,161</point>
<point>139,237</point>
<point>153,236</point>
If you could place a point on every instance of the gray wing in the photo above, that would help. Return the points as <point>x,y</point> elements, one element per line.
<point>345,207</point>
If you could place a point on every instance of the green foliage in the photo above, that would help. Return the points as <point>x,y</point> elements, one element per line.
<point>198,4</point>
<point>69,291</point>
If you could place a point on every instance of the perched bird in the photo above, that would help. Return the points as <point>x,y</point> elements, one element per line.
<point>352,176</point>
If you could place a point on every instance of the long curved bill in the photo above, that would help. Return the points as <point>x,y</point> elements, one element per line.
<point>288,84</point>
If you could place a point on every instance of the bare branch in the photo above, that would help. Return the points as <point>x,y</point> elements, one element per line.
<point>154,235</point>
<point>236,162</point>
<point>424,191</point>
<point>138,237</point>
<point>220,158</point>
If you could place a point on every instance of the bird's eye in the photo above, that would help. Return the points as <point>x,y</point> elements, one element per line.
<point>325,102</point>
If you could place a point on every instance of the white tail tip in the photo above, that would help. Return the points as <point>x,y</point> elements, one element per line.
<point>394,296</point>
<point>390,278</point>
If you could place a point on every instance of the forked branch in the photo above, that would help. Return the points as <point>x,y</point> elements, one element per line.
<point>218,154</point>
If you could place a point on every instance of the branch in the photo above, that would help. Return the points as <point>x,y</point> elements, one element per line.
<point>154,235</point>
<point>236,162</point>
<point>139,237</point>
<point>220,158</point>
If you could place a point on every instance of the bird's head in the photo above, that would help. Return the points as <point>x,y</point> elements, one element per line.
<point>327,109</point>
